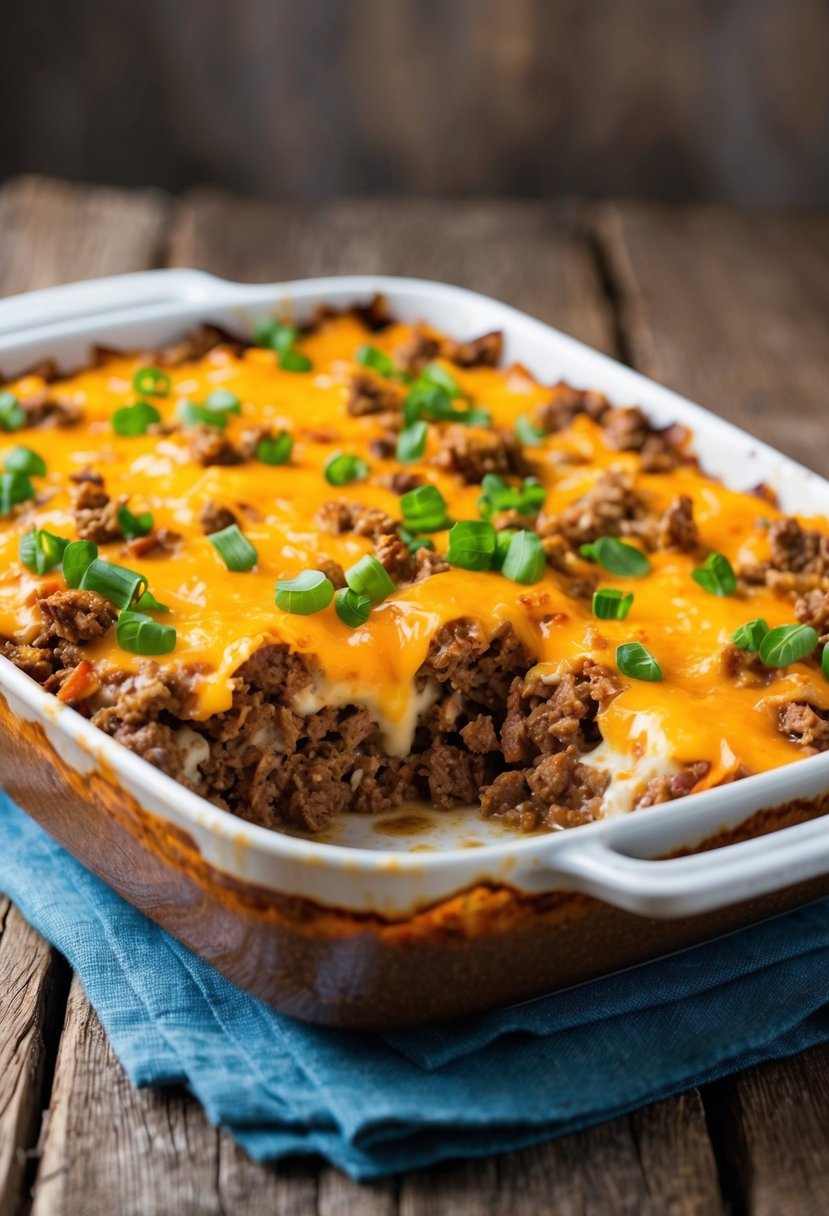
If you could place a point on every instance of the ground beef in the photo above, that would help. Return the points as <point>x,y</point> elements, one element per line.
<point>341,515</point>
<point>813,609</point>
<point>543,717</point>
<point>798,550</point>
<point>566,404</point>
<point>209,445</point>
<point>472,452</point>
<point>480,352</point>
<point>36,661</point>
<point>165,540</point>
<point>421,348</point>
<point>77,616</point>
<point>332,570</point>
<point>480,669</point>
<point>804,725</point>
<point>677,529</point>
<point>369,394</point>
<point>96,514</point>
<point>43,409</point>
<point>429,562</point>
<point>214,517</point>
<point>454,776</point>
<point>611,508</point>
<point>86,474</point>
<point>479,735</point>
<point>666,789</point>
<point>399,483</point>
<point>198,343</point>
<point>745,667</point>
<point>558,791</point>
<point>627,429</point>
<point>395,557</point>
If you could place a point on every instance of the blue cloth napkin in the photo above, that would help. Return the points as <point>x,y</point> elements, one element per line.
<point>375,1105</point>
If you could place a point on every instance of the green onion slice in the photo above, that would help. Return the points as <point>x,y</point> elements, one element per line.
<point>148,603</point>
<point>617,557</point>
<point>438,377</point>
<point>498,495</point>
<point>716,575</point>
<point>273,334</point>
<point>192,414</point>
<point>24,460</point>
<point>134,525</point>
<point>115,583</point>
<point>424,510</point>
<point>411,442</point>
<point>275,449</point>
<point>472,544</point>
<point>524,561</point>
<point>343,468</point>
<point>635,660</point>
<point>12,414</point>
<point>531,436</point>
<point>376,359</point>
<point>352,607</point>
<point>140,634</point>
<point>503,540</point>
<point>223,400</point>
<point>787,644</point>
<point>610,604</point>
<point>135,419</point>
<point>41,551</point>
<point>234,548</point>
<point>294,361</point>
<point>433,403</point>
<point>370,577</point>
<point>750,635</point>
<point>309,592</point>
<point>824,662</point>
<point>14,489</point>
<point>77,557</point>
<point>152,382</point>
<point>412,542</point>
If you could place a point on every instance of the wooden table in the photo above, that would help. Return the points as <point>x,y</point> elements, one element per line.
<point>730,308</point>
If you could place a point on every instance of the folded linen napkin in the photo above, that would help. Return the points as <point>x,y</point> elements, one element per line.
<point>375,1105</point>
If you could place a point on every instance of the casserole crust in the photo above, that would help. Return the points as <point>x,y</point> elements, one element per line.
<point>484,672</point>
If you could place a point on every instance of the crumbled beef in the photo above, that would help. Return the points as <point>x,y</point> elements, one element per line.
<point>198,343</point>
<point>77,616</point>
<point>86,474</point>
<point>798,550</point>
<point>804,724</point>
<point>479,352</point>
<point>558,791</point>
<point>332,570</point>
<point>611,508</point>
<point>566,404</point>
<point>383,447</point>
<point>429,562</point>
<point>36,661</point>
<point>813,609</point>
<point>545,716</point>
<point>276,671</point>
<point>44,409</point>
<point>454,775</point>
<point>164,540</point>
<point>417,351</point>
<point>677,529</point>
<point>340,515</point>
<point>400,482</point>
<point>479,734</point>
<point>472,452</point>
<point>214,517</point>
<point>461,656</point>
<point>666,788</point>
<point>395,557</point>
<point>744,666</point>
<point>209,445</point>
<point>96,514</point>
<point>369,394</point>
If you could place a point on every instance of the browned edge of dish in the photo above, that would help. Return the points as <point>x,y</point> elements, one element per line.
<point>486,947</point>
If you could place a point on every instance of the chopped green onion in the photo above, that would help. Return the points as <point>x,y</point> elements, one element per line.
<point>503,540</point>
<point>610,604</point>
<point>275,449</point>
<point>41,551</point>
<point>438,377</point>
<point>824,662</point>
<point>370,577</point>
<point>77,557</point>
<point>309,592</point>
<point>424,510</point>
<point>152,382</point>
<point>272,333</point>
<point>24,460</point>
<point>433,403</point>
<point>498,496</point>
<point>14,489</point>
<point>140,634</point>
<point>525,560</point>
<point>376,359</point>
<point>617,557</point>
<point>716,575</point>
<point>135,419</point>
<point>223,400</point>
<point>343,468</point>
<point>294,361</point>
<point>134,525</point>
<point>115,583</point>
<point>787,644</point>
<point>235,550</point>
<point>148,603</point>
<point>412,542</point>
<point>192,414</point>
<point>636,661</point>
<point>352,607</point>
<point>750,635</point>
<point>472,545</point>
<point>531,436</point>
<point>12,414</point>
<point>411,442</point>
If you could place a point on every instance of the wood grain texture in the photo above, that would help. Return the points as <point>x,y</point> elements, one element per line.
<point>731,309</point>
<point>533,255</point>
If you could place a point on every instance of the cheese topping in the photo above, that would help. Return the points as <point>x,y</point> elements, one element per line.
<point>222,617</point>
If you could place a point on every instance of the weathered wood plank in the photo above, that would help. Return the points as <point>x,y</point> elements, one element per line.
<point>730,308</point>
<point>25,971</point>
<point>532,255</point>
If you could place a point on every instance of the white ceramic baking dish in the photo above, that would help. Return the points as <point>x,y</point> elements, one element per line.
<point>357,872</point>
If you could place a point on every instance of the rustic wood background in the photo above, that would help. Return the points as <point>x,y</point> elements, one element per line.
<point>732,309</point>
<point>306,99</point>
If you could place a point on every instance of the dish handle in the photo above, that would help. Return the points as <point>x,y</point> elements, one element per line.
<point>700,882</point>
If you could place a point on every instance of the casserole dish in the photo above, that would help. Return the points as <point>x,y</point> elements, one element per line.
<point>347,929</point>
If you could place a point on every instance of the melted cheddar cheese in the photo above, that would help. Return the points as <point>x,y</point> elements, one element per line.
<point>221,618</point>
